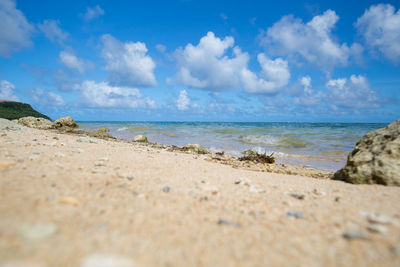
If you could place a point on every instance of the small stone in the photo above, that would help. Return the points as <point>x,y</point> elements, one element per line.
<point>86,140</point>
<point>355,235</point>
<point>295,215</point>
<point>55,138</point>
<point>100,164</point>
<point>59,165</point>
<point>96,170</point>
<point>298,196</point>
<point>37,231</point>
<point>254,189</point>
<point>78,150</point>
<point>106,260</point>
<point>229,223</point>
<point>68,201</point>
<point>166,189</point>
<point>377,228</point>
<point>379,218</point>
<point>140,139</point>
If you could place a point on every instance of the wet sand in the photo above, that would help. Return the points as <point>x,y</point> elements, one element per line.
<point>68,200</point>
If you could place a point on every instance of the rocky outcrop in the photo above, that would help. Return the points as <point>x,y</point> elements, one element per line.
<point>65,124</point>
<point>38,123</point>
<point>195,148</point>
<point>375,159</point>
<point>140,139</point>
<point>9,125</point>
<point>101,133</point>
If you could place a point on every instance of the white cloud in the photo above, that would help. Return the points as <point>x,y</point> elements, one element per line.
<point>183,101</point>
<point>93,13</point>
<point>71,61</point>
<point>47,98</point>
<point>104,95</point>
<point>128,63</point>
<point>353,93</point>
<point>15,30</point>
<point>274,75</point>
<point>209,66</point>
<point>7,91</point>
<point>52,31</point>
<point>306,95</point>
<point>380,27</point>
<point>311,41</point>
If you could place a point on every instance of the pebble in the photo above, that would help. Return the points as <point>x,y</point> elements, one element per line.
<point>166,189</point>
<point>294,214</point>
<point>379,218</point>
<point>298,196</point>
<point>68,200</point>
<point>354,234</point>
<point>37,231</point>
<point>86,140</point>
<point>254,189</point>
<point>100,163</point>
<point>96,170</point>
<point>78,150</point>
<point>106,260</point>
<point>377,228</point>
<point>33,157</point>
<point>229,223</point>
<point>59,165</point>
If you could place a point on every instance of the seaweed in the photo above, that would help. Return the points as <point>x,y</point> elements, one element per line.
<point>251,155</point>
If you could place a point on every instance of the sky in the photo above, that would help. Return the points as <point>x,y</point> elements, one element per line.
<point>189,60</point>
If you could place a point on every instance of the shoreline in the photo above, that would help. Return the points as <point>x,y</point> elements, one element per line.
<point>69,199</point>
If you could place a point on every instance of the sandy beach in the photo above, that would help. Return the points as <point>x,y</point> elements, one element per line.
<point>69,200</point>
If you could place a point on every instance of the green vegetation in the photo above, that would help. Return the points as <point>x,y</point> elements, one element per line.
<point>16,110</point>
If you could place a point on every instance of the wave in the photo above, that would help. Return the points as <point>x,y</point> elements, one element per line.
<point>267,140</point>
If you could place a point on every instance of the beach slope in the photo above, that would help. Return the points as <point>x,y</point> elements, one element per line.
<point>68,200</point>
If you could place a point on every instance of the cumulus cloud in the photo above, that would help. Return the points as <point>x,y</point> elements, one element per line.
<point>128,63</point>
<point>183,101</point>
<point>93,13</point>
<point>380,28</point>
<point>274,75</point>
<point>47,98</point>
<point>353,93</point>
<point>7,91</point>
<point>71,61</point>
<point>305,94</point>
<point>52,31</point>
<point>312,41</point>
<point>15,30</point>
<point>107,96</point>
<point>208,65</point>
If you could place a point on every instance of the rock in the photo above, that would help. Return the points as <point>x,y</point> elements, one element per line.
<point>101,133</point>
<point>38,123</point>
<point>377,228</point>
<point>140,139</point>
<point>229,223</point>
<point>106,260</point>
<point>64,124</point>
<point>68,200</point>
<point>294,215</point>
<point>254,189</point>
<point>195,148</point>
<point>355,235</point>
<point>9,125</point>
<point>86,140</point>
<point>379,219</point>
<point>166,189</point>
<point>298,196</point>
<point>100,164</point>
<point>37,231</point>
<point>375,159</point>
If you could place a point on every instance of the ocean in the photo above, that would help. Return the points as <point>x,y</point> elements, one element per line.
<point>318,145</point>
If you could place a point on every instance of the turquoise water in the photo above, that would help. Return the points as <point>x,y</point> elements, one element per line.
<point>319,145</point>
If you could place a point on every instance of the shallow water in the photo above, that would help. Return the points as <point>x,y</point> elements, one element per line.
<point>319,145</point>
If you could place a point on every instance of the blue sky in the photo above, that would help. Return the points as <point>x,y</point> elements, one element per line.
<point>203,60</point>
